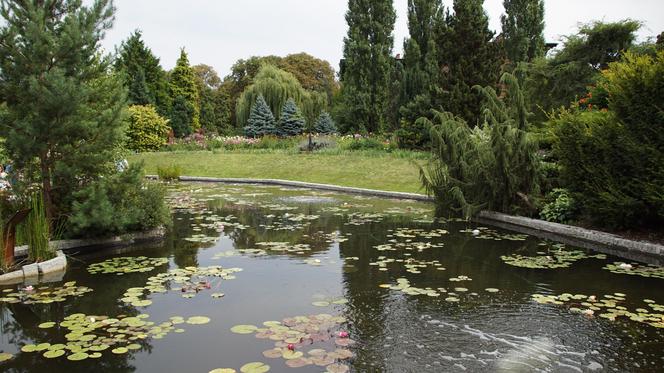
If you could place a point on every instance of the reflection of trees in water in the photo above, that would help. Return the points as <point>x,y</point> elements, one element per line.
<point>184,252</point>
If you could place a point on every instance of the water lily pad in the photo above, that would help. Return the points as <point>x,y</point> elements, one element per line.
<point>298,362</point>
<point>46,325</point>
<point>243,329</point>
<point>288,354</point>
<point>4,356</point>
<point>94,355</point>
<point>256,367</point>
<point>320,304</point>
<point>337,368</point>
<point>492,290</point>
<point>120,350</point>
<point>273,353</point>
<point>223,370</point>
<point>77,356</point>
<point>198,320</point>
<point>50,354</point>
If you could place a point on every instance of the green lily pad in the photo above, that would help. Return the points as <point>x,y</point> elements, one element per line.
<point>4,356</point>
<point>50,354</point>
<point>244,329</point>
<point>320,304</point>
<point>256,367</point>
<point>198,320</point>
<point>77,356</point>
<point>223,370</point>
<point>46,325</point>
<point>119,350</point>
<point>492,290</point>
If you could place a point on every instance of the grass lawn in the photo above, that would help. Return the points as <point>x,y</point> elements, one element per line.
<point>372,170</point>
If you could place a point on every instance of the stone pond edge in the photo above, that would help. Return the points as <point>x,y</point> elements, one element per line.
<point>572,235</point>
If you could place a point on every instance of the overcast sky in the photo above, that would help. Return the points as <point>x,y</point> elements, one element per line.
<point>219,32</point>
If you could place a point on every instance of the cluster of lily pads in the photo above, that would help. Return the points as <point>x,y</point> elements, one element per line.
<point>416,232</point>
<point>293,335</point>
<point>608,307</point>
<point>323,301</point>
<point>361,218</point>
<point>412,265</point>
<point>124,265</point>
<point>408,246</point>
<point>284,247</point>
<point>89,336</point>
<point>635,269</point>
<point>44,294</point>
<point>549,260</point>
<point>192,280</point>
<point>484,233</point>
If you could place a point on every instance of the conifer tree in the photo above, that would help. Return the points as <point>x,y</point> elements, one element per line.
<point>470,58</point>
<point>325,124</point>
<point>368,63</point>
<point>63,116</point>
<point>261,120</point>
<point>291,122</point>
<point>183,84</point>
<point>523,29</point>
<point>144,76</point>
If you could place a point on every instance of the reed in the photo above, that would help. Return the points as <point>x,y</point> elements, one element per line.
<point>37,231</point>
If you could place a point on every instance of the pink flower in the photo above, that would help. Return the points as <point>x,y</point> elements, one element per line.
<point>343,335</point>
<point>291,347</point>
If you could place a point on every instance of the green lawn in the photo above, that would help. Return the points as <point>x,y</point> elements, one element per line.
<point>383,171</point>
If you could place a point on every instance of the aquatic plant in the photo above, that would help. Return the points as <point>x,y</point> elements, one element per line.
<point>37,231</point>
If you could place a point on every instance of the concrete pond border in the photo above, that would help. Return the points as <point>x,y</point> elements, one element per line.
<point>590,239</point>
<point>54,269</point>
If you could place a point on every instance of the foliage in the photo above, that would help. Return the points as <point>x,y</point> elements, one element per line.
<point>38,231</point>
<point>325,124</point>
<point>183,87</point>
<point>470,58</point>
<point>144,77</point>
<point>120,203</point>
<point>367,65</point>
<point>613,161</point>
<point>214,100</point>
<point>277,87</point>
<point>147,130</point>
<point>63,123</point>
<point>414,135</point>
<point>169,173</point>
<point>291,122</point>
<point>561,207</point>
<point>490,167</point>
<point>261,122</point>
<point>523,29</point>
<point>556,82</point>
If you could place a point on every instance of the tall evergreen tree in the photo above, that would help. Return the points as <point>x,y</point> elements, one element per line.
<point>291,122</point>
<point>144,76</point>
<point>63,121</point>
<point>325,124</point>
<point>523,29</point>
<point>470,58</point>
<point>368,63</point>
<point>183,83</point>
<point>261,120</point>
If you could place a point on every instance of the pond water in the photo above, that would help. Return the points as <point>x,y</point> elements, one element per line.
<point>309,281</point>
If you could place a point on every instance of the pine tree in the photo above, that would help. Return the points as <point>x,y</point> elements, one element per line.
<point>523,29</point>
<point>325,124</point>
<point>470,58</point>
<point>183,84</point>
<point>64,109</point>
<point>144,76</point>
<point>368,63</point>
<point>261,120</point>
<point>291,122</point>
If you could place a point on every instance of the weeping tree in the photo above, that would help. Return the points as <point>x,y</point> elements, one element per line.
<point>277,87</point>
<point>493,166</point>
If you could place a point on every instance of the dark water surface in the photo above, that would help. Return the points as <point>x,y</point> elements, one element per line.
<point>453,326</point>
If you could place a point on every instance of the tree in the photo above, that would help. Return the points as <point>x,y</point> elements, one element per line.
<point>64,109</point>
<point>523,30</point>
<point>181,114</point>
<point>144,77</point>
<point>470,58</point>
<point>325,124</point>
<point>147,130</point>
<point>261,121</point>
<point>291,122</point>
<point>183,84</point>
<point>367,64</point>
<point>493,166</point>
<point>278,86</point>
<point>214,100</point>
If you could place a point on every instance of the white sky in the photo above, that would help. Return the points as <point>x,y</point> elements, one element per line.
<point>219,32</point>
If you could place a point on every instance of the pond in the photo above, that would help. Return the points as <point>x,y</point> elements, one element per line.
<point>296,280</point>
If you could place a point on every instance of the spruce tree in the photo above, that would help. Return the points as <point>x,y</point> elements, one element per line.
<point>470,58</point>
<point>523,29</point>
<point>183,83</point>
<point>291,122</point>
<point>63,120</point>
<point>261,120</point>
<point>368,63</point>
<point>181,114</point>
<point>144,76</point>
<point>325,124</point>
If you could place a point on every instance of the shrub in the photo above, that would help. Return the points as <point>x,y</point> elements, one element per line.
<point>317,143</point>
<point>169,173</point>
<point>364,143</point>
<point>117,204</point>
<point>147,130</point>
<point>613,161</point>
<point>560,208</point>
<point>414,135</point>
